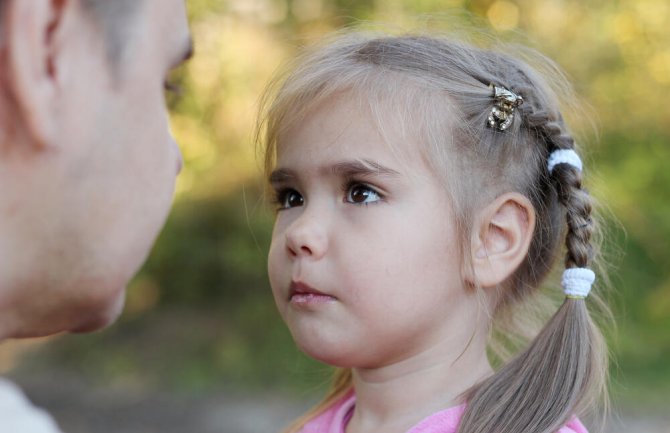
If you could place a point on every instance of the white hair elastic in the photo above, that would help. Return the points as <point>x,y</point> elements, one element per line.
<point>577,282</point>
<point>564,156</point>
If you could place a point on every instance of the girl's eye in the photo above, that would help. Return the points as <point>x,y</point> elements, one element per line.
<point>289,198</point>
<point>362,194</point>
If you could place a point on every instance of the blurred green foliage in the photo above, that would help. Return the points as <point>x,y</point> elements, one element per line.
<point>200,313</point>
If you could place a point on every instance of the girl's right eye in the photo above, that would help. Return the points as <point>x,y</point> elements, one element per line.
<point>289,198</point>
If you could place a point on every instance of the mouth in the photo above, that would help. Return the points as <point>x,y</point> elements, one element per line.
<point>301,293</point>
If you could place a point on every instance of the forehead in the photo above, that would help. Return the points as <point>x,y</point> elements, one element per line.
<point>346,126</point>
<point>338,124</point>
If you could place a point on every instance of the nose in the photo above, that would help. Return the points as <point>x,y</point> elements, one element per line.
<point>307,236</point>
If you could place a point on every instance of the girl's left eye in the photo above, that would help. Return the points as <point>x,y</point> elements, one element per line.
<point>362,194</point>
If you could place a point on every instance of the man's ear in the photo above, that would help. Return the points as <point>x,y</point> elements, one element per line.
<point>31,43</point>
<point>501,238</point>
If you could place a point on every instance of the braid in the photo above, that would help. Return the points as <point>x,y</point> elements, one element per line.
<point>577,203</point>
<point>570,345</point>
<point>568,183</point>
<point>567,180</point>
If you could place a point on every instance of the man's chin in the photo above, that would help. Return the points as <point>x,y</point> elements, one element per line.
<point>102,318</point>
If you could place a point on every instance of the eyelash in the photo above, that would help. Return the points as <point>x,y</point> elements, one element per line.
<point>280,197</point>
<point>172,87</point>
<point>282,194</point>
<point>349,186</point>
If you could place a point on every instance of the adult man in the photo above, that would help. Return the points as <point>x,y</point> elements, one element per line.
<point>87,163</point>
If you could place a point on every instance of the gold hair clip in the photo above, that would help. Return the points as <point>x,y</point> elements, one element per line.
<point>502,112</point>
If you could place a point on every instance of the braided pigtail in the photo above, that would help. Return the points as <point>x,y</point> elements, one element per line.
<point>563,370</point>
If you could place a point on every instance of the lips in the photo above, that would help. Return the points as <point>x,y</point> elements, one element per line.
<point>301,293</point>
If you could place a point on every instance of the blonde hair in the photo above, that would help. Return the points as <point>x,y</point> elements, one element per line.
<point>440,88</point>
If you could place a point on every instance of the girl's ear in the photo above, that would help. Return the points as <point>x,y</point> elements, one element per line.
<point>500,238</point>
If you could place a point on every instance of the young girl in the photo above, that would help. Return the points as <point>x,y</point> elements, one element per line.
<point>424,189</point>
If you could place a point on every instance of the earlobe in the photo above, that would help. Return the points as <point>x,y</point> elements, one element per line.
<point>501,239</point>
<point>32,77</point>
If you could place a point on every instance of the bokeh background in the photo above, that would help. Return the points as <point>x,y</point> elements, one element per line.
<point>200,347</point>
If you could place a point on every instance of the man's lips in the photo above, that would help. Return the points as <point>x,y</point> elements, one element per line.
<point>302,293</point>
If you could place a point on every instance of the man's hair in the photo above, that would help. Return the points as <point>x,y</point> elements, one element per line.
<point>114,17</point>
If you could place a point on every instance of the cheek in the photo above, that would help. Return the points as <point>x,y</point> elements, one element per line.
<point>153,154</point>
<point>277,267</point>
<point>422,255</point>
<point>138,135</point>
<point>154,132</point>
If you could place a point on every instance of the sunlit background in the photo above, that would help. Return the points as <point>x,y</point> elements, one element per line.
<point>200,331</point>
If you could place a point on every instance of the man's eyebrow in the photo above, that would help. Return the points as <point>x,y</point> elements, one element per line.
<point>362,167</point>
<point>185,54</point>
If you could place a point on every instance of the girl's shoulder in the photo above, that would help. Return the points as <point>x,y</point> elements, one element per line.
<point>573,426</point>
<point>447,421</point>
<point>334,418</point>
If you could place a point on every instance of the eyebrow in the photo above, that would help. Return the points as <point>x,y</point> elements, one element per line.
<point>358,167</point>
<point>362,167</point>
<point>280,175</point>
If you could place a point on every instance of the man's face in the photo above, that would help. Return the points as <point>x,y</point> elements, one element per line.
<point>106,184</point>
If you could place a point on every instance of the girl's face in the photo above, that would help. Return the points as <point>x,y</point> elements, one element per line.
<point>364,264</point>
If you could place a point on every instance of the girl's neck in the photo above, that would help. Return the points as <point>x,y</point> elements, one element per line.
<point>396,397</point>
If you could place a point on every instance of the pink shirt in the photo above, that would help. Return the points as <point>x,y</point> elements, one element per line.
<point>335,419</point>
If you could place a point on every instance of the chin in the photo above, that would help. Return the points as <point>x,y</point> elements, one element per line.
<point>100,316</point>
<point>336,355</point>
